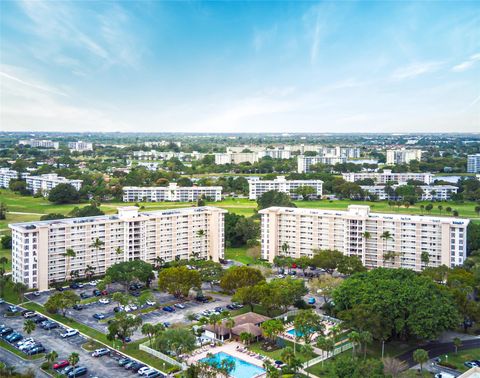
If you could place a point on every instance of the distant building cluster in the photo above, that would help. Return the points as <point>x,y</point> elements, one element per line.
<point>172,192</point>
<point>473,163</point>
<point>388,176</point>
<point>258,187</point>
<point>6,175</point>
<point>304,163</point>
<point>35,143</point>
<point>45,183</point>
<point>428,192</point>
<point>403,156</point>
<point>80,146</point>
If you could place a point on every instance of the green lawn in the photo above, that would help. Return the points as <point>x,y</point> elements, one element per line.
<point>8,254</point>
<point>238,254</point>
<point>459,358</point>
<point>277,354</point>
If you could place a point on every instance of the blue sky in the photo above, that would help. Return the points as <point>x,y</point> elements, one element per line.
<point>240,66</point>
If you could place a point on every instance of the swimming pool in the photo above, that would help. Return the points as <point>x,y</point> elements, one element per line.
<point>243,369</point>
<point>295,333</point>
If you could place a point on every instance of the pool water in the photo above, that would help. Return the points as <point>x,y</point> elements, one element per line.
<point>243,369</point>
<point>295,333</point>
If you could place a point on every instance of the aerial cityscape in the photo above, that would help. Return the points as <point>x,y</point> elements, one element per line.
<point>239,189</point>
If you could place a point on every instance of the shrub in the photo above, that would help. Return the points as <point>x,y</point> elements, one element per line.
<point>45,365</point>
<point>447,364</point>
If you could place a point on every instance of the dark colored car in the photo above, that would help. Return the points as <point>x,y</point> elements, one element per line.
<point>61,364</point>
<point>77,372</point>
<point>14,337</point>
<point>84,295</point>
<point>50,325</point>
<point>78,306</point>
<point>59,288</point>
<point>117,309</point>
<point>136,293</point>
<point>97,292</point>
<point>39,319</point>
<point>74,285</point>
<point>202,299</point>
<point>136,366</point>
<point>36,350</point>
<point>5,331</point>
<point>168,309</point>
<point>124,361</point>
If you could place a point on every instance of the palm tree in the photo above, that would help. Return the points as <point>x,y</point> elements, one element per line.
<point>74,358</point>
<point>326,344</point>
<point>354,337</point>
<point>74,274</point>
<point>29,326</point>
<point>287,355</point>
<point>365,338</point>
<point>285,247</point>
<point>118,251</point>
<point>386,236</point>
<point>159,261</point>
<point>440,208</point>
<point>214,321</point>
<point>457,343</point>
<point>69,253</point>
<point>97,244</point>
<point>229,323</point>
<point>420,356</point>
<point>89,271</point>
<point>245,337</point>
<point>425,258</point>
<point>51,356</point>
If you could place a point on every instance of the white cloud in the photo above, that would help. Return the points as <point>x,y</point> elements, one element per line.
<point>469,63</point>
<point>416,69</point>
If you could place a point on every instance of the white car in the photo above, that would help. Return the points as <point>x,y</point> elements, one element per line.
<point>179,305</point>
<point>36,293</point>
<point>151,303</point>
<point>104,301</point>
<point>133,307</point>
<point>69,333</point>
<point>144,370</point>
<point>26,345</point>
<point>24,341</point>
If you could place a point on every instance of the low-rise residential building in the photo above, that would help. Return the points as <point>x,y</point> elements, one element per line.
<point>80,146</point>
<point>38,248</point>
<point>305,162</point>
<point>47,182</point>
<point>172,192</point>
<point>403,156</point>
<point>257,187</point>
<point>35,143</point>
<point>429,192</point>
<point>473,163</point>
<point>388,176</point>
<point>378,240</point>
<point>7,174</point>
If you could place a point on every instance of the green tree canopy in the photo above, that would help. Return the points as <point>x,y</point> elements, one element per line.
<point>64,193</point>
<point>240,276</point>
<point>178,280</point>
<point>274,198</point>
<point>126,272</point>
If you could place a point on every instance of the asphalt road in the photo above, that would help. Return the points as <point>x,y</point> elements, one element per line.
<point>439,349</point>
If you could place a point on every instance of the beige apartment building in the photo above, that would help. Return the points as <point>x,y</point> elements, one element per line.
<point>358,232</point>
<point>38,248</point>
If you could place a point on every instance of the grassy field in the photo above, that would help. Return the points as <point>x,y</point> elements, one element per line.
<point>459,358</point>
<point>238,254</point>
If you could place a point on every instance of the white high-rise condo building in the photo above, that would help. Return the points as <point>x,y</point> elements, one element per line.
<point>473,163</point>
<point>39,143</point>
<point>257,187</point>
<point>275,153</point>
<point>47,182</point>
<point>429,192</point>
<point>7,174</point>
<point>305,162</point>
<point>387,175</point>
<point>403,156</point>
<point>172,192</point>
<point>339,151</point>
<point>379,240</point>
<point>236,158</point>
<point>80,146</point>
<point>38,248</point>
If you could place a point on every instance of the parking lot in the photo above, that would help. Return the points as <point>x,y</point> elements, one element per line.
<point>85,315</point>
<point>104,367</point>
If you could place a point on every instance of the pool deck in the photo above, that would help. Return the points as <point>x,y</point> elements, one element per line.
<point>232,348</point>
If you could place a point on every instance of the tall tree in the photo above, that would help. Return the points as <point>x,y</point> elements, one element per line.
<point>69,254</point>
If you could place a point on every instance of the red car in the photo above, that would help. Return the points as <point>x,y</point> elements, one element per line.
<point>61,364</point>
<point>294,266</point>
<point>104,292</point>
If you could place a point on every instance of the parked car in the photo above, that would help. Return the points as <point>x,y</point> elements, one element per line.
<point>104,301</point>
<point>179,305</point>
<point>153,374</point>
<point>50,325</point>
<point>118,308</point>
<point>29,314</point>
<point>69,333</point>
<point>35,350</point>
<point>99,316</point>
<point>14,337</point>
<point>311,301</point>
<point>136,366</point>
<point>78,307</point>
<point>100,352</point>
<point>124,361</point>
<point>61,364</point>
<point>27,345</point>
<point>24,341</point>
<point>5,331</point>
<point>84,295</point>
<point>39,319</point>
<point>166,324</point>
<point>13,308</point>
<point>144,369</point>
<point>2,300</point>
<point>67,370</point>
<point>470,364</point>
<point>104,292</point>
<point>97,292</point>
<point>168,309</point>
<point>77,372</point>
<point>133,307</point>
<point>59,288</point>
<point>74,285</point>
<point>136,293</point>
